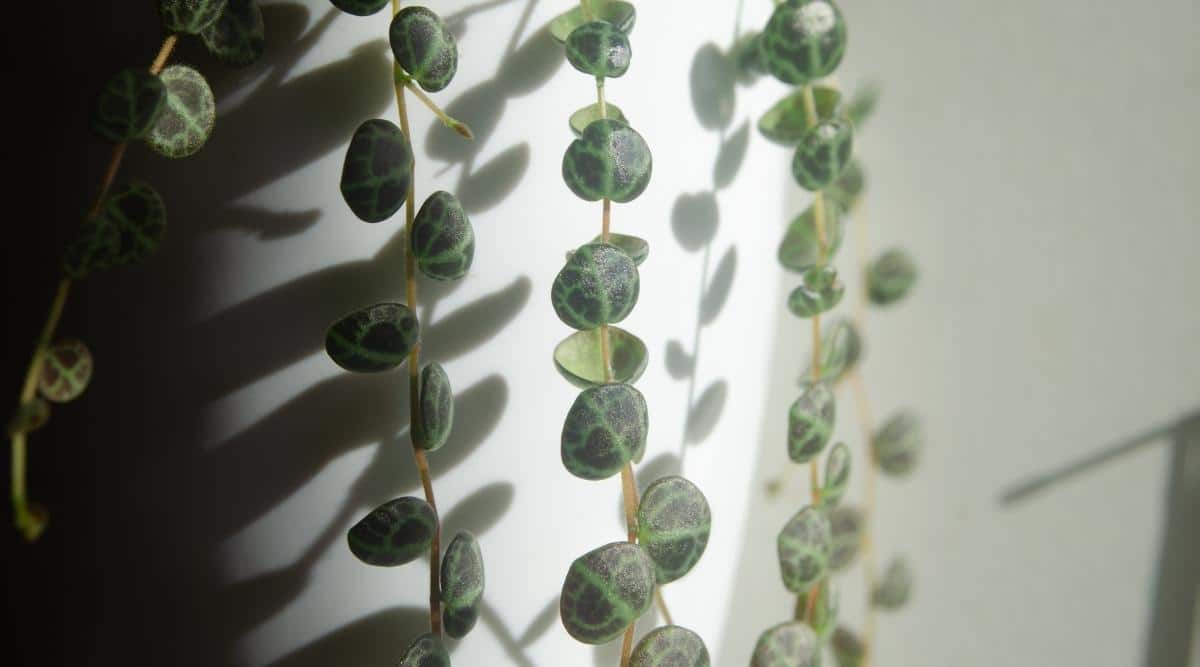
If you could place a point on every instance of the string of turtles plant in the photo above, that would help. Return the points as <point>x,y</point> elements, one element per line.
<point>377,179</point>
<point>804,41</point>
<point>607,589</point>
<point>171,109</point>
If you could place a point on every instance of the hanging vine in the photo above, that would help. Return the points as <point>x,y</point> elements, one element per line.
<point>803,42</point>
<point>377,180</point>
<point>171,109</point>
<point>606,590</point>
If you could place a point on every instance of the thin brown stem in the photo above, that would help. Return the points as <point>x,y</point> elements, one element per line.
<point>414,378</point>
<point>164,54</point>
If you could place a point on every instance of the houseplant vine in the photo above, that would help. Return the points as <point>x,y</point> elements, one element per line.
<point>607,589</point>
<point>171,109</point>
<point>803,42</point>
<point>377,179</point>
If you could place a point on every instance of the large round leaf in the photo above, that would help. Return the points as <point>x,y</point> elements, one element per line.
<point>670,646</point>
<point>436,400</point>
<point>375,338</point>
<point>377,172</point>
<point>599,285</point>
<point>791,644</point>
<point>803,546</point>
<point>605,591</point>
<point>424,47</point>
<point>462,585</point>
<point>810,421</point>
<point>609,161</point>
<point>238,37</point>
<point>185,124</point>
<point>397,532</point>
<point>674,522</point>
<point>443,240</point>
<point>804,40</point>
<point>66,370</point>
<point>604,429</point>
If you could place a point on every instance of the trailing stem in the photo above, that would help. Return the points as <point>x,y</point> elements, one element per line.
<point>414,377</point>
<point>29,525</point>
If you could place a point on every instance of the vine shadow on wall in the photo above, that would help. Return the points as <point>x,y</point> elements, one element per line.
<point>1177,579</point>
<point>143,503</point>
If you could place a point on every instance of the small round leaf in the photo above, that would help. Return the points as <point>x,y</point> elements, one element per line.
<point>66,371</point>
<point>598,286</point>
<point>890,277</point>
<point>189,16</point>
<point>610,160</point>
<point>800,249</point>
<point>378,170</point>
<point>803,546</point>
<point>605,591</point>
<point>578,357</point>
<point>823,154</point>
<point>375,338</point>
<point>437,407</point>
<point>185,124</point>
<point>443,240</point>
<point>786,122</point>
<point>462,585</point>
<point>847,188</point>
<point>129,105</point>
<point>395,533</point>
<point>804,40</point>
<point>360,7</point>
<point>898,443</point>
<point>848,648</point>
<point>428,650</point>
<point>847,525</point>
<point>791,644</point>
<point>810,421</point>
<point>585,116</point>
<point>670,646</point>
<point>424,47</point>
<point>820,292</point>
<point>600,49</point>
<point>841,350</point>
<point>604,429</point>
<point>127,229</point>
<point>674,522</point>
<point>238,37</point>
<point>621,14</point>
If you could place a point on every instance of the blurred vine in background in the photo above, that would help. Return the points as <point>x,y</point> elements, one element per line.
<point>802,43</point>
<point>607,589</point>
<point>377,180</point>
<point>171,109</point>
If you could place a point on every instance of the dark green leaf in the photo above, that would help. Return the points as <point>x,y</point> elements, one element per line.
<point>462,584</point>
<point>810,421</point>
<point>604,429</point>
<point>437,407</point>
<point>424,47</point>
<point>360,7</point>
<point>800,249</point>
<point>599,285</point>
<point>620,14</point>
<point>397,532</point>
<point>791,644</point>
<point>670,646</point>
<point>803,547</point>
<point>610,160</point>
<point>378,170</point>
<point>185,124</point>
<point>804,40</point>
<point>373,339</point>
<point>129,105</point>
<point>189,16</point>
<point>837,475</point>
<point>823,152</point>
<point>443,240</point>
<point>820,292</point>
<point>605,591</point>
<point>637,248</point>
<point>238,37</point>
<point>600,49</point>
<point>897,445</point>
<point>890,277</point>
<point>674,522</point>
<point>786,122</point>
<point>428,650</point>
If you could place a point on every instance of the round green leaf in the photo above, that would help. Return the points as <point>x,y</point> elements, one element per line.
<point>803,547</point>
<point>898,443</point>
<point>605,591</point>
<point>437,407</point>
<point>848,648</point>
<point>127,229</point>
<point>670,646</point>
<point>786,122</point>
<point>847,188</point>
<point>238,37</point>
<point>462,585</point>
<point>395,533</point>
<point>823,153</point>
<point>599,285</point>
<point>810,421</point>
<point>895,587</point>
<point>820,292</point>
<point>443,240</point>
<point>604,429</point>
<point>578,357</point>
<point>674,522</point>
<point>189,16</point>
<point>824,610</point>
<point>424,47</point>
<point>372,339</point>
<point>585,116</point>
<point>837,475</point>
<point>610,160</point>
<point>378,170</point>
<point>847,525</point>
<point>129,105</point>
<point>800,249</point>
<point>30,416</point>
<point>791,644</point>
<point>360,7</point>
<point>890,277</point>
<point>637,248</point>
<point>841,349</point>
<point>428,650</point>
<point>600,49</point>
<point>621,14</point>
<point>803,40</point>
<point>66,371</point>
<point>185,124</point>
